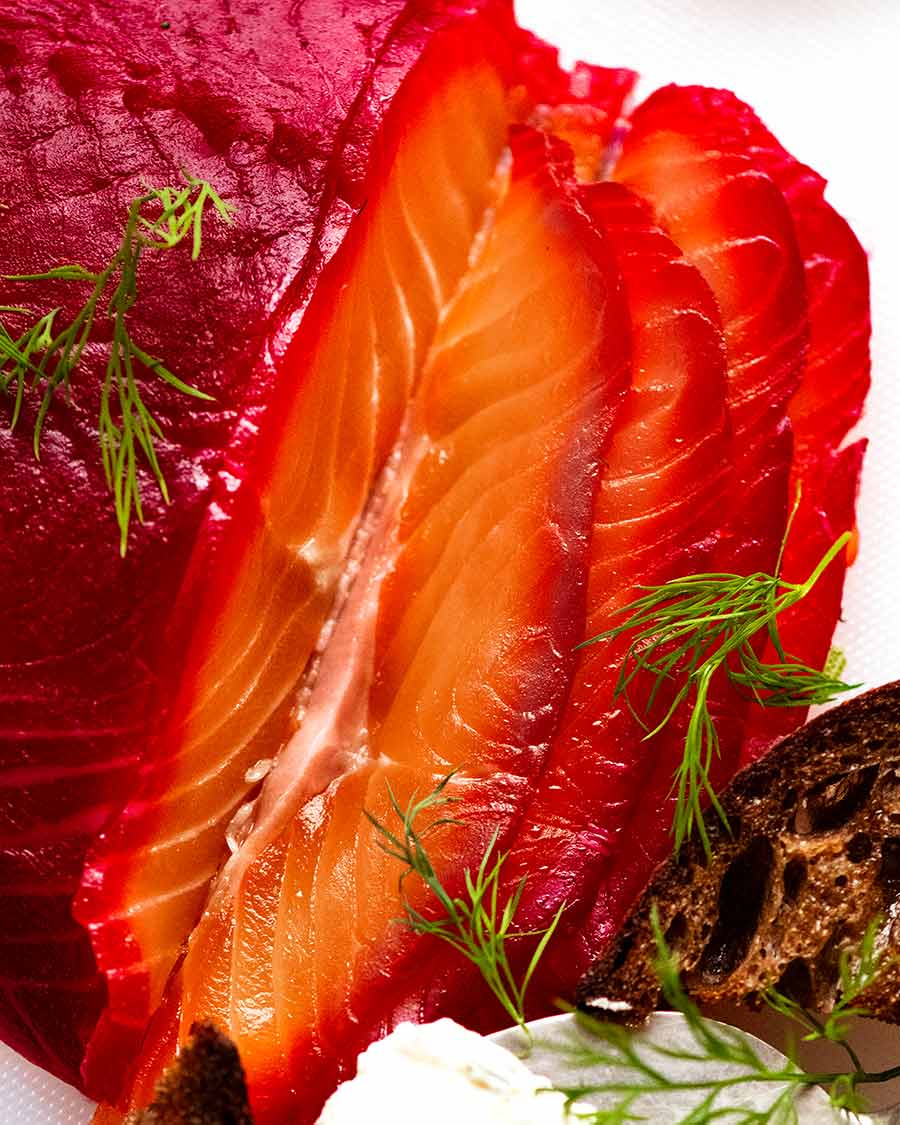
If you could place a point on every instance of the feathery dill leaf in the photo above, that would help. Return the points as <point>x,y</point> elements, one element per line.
<point>835,663</point>
<point>689,631</point>
<point>640,1065</point>
<point>44,355</point>
<point>477,925</point>
<point>857,972</point>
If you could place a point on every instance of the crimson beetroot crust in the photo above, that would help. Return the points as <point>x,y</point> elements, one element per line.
<point>277,105</point>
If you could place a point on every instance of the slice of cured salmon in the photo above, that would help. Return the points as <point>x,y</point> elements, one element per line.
<point>732,223</point>
<point>455,648</point>
<point>658,515</point>
<point>827,404</point>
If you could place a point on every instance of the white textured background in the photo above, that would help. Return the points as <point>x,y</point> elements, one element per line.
<point>825,77</point>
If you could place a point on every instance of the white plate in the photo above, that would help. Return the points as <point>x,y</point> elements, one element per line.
<point>824,76</point>
<point>557,1038</point>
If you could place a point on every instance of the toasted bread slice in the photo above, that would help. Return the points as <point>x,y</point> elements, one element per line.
<point>813,856</point>
<point>204,1086</point>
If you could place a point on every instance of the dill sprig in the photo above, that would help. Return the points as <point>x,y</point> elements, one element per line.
<point>856,973</point>
<point>643,1063</point>
<point>690,630</point>
<point>45,354</point>
<point>478,925</point>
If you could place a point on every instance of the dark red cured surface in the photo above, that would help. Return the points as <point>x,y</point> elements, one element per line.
<point>276,104</point>
<point>745,246</point>
<point>831,395</point>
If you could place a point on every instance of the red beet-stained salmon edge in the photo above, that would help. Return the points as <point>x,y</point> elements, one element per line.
<point>828,402</point>
<point>584,106</point>
<point>629,226</point>
<point>732,221</point>
<point>828,509</point>
<point>139,1075</point>
<point>831,396</point>
<point>603,88</point>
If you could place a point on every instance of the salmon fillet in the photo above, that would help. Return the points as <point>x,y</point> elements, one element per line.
<point>731,222</point>
<point>466,402</point>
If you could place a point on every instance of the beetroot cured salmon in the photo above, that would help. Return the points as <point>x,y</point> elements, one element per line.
<point>827,404</point>
<point>343,384</point>
<point>455,648</point>
<point>280,111</point>
<point>733,224</point>
<point>422,481</point>
<point>657,516</point>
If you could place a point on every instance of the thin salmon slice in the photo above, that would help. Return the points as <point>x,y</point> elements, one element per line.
<point>733,224</point>
<point>827,404</point>
<point>658,515</point>
<point>455,649</point>
<point>341,395</point>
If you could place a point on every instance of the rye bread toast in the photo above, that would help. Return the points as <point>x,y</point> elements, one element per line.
<point>813,856</point>
<point>204,1086</point>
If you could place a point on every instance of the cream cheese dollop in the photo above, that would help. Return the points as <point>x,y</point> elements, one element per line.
<point>447,1075</point>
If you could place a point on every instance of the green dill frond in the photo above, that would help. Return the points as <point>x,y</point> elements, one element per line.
<point>478,925</point>
<point>858,970</point>
<point>43,357</point>
<point>691,632</point>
